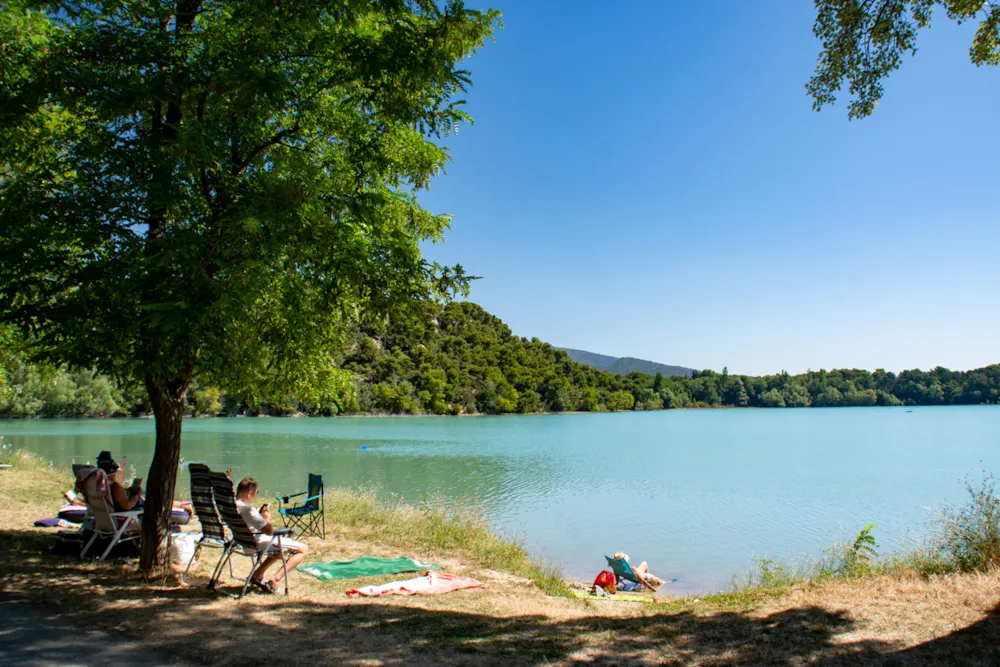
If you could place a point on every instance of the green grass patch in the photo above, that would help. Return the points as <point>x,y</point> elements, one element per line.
<point>438,527</point>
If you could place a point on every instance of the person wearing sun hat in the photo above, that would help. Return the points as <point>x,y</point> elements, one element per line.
<point>124,499</point>
<point>642,571</point>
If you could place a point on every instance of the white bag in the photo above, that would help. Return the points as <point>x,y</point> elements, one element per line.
<point>182,546</point>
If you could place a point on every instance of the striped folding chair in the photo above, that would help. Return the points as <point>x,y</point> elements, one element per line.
<point>213,533</point>
<point>244,540</point>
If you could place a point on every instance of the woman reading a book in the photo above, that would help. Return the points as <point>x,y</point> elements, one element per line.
<point>131,498</point>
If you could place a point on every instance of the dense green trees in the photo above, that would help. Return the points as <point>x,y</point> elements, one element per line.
<point>459,359</point>
<point>219,190</point>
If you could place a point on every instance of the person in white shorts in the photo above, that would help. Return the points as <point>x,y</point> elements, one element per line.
<point>646,578</point>
<point>259,521</point>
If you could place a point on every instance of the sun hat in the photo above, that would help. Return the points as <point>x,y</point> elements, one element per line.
<point>106,463</point>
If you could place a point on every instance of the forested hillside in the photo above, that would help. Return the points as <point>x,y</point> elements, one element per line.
<point>459,359</point>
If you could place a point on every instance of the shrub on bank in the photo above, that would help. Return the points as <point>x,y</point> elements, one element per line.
<point>963,539</point>
<point>970,534</point>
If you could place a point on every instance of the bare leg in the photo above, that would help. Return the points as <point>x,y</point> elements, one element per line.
<point>643,569</point>
<point>294,560</point>
<point>258,574</point>
<point>185,505</point>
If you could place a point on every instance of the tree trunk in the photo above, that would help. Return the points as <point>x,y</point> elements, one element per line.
<point>167,400</point>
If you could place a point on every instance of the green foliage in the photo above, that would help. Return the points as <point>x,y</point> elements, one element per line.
<point>207,401</point>
<point>457,358</point>
<point>970,534</point>
<point>620,400</point>
<point>224,200</point>
<point>864,42</point>
<point>862,553</point>
<point>43,390</point>
<point>857,558</point>
<point>773,574</point>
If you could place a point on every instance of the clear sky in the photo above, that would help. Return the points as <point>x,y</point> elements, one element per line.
<point>649,179</point>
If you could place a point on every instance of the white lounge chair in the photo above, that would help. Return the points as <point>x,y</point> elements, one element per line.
<point>118,526</point>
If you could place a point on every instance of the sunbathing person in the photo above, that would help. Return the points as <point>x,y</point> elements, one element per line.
<point>650,581</point>
<point>123,499</point>
<point>260,522</point>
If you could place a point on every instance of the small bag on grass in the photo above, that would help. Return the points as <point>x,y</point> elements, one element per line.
<point>182,546</point>
<point>606,580</point>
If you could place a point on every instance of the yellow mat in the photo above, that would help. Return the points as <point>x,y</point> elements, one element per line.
<point>617,597</point>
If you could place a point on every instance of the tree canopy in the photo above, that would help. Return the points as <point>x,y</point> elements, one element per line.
<point>219,188</point>
<point>864,41</point>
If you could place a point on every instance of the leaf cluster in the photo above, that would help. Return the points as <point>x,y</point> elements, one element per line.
<point>864,41</point>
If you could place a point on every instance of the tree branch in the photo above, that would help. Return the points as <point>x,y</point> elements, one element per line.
<point>296,148</point>
<point>240,166</point>
<point>206,189</point>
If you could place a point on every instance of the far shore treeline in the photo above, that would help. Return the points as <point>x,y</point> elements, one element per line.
<point>458,359</point>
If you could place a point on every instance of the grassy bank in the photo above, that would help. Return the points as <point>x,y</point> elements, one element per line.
<point>880,614</point>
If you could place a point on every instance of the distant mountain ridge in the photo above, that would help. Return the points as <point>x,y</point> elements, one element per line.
<point>624,365</point>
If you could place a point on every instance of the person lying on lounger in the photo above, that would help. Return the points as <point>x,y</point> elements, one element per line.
<point>642,573</point>
<point>260,522</point>
<point>124,499</point>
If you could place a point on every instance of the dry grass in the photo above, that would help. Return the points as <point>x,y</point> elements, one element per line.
<point>890,620</point>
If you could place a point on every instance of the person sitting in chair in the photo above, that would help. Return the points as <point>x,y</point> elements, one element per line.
<point>123,499</point>
<point>642,573</point>
<point>260,522</point>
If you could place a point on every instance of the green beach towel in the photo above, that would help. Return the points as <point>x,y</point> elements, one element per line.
<point>365,566</point>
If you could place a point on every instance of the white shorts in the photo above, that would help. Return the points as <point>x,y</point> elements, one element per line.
<point>266,542</point>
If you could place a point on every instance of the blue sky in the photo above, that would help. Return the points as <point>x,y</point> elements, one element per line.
<point>649,179</point>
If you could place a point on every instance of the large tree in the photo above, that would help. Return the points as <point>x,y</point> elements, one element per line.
<point>220,187</point>
<point>865,40</point>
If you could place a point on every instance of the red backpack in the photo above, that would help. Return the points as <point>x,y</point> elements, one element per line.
<point>606,580</point>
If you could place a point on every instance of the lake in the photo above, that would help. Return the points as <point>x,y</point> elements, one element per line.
<point>698,493</point>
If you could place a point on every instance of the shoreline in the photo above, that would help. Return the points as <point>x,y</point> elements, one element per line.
<point>878,620</point>
<point>386,415</point>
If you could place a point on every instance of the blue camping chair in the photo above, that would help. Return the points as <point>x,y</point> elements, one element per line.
<point>306,516</point>
<point>623,570</point>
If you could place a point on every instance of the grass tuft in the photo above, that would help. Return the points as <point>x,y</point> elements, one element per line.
<point>21,459</point>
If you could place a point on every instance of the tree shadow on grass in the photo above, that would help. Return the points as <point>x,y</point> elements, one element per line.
<point>977,645</point>
<point>196,625</point>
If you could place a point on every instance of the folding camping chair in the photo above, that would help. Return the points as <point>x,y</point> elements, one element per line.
<point>213,533</point>
<point>307,516</point>
<point>244,540</point>
<point>623,570</point>
<point>120,527</point>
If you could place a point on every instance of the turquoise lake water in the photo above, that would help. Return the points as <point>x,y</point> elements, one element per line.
<point>700,494</point>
